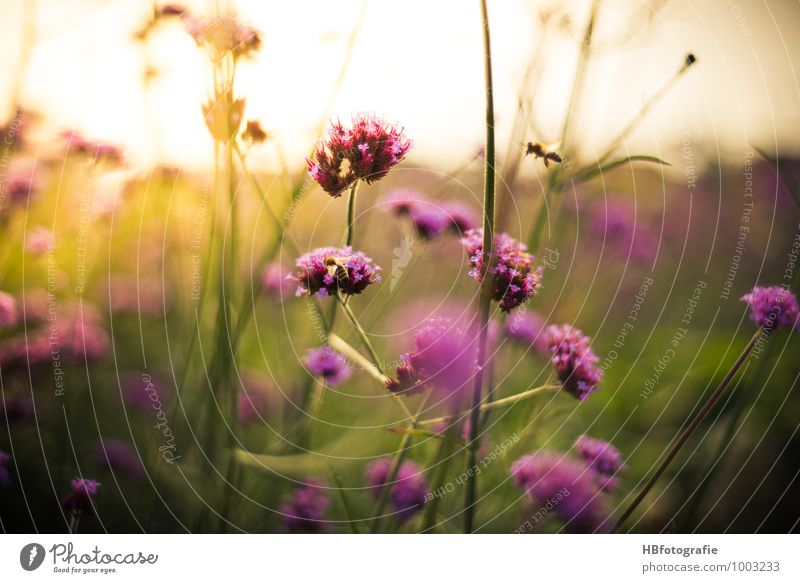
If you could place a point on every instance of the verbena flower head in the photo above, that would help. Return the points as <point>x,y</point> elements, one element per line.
<point>39,241</point>
<point>365,150</point>
<point>555,481</point>
<point>773,307</point>
<point>222,35</point>
<point>431,218</point>
<point>527,328</point>
<point>603,458</point>
<point>328,270</point>
<point>409,490</point>
<point>9,314</point>
<point>574,360</point>
<point>81,499</point>
<point>444,359</point>
<point>515,280</point>
<point>5,476</point>
<point>328,364</point>
<point>461,217</point>
<point>120,456</point>
<point>276,282</point>
<point>304,509</point>
<point>614,224</point>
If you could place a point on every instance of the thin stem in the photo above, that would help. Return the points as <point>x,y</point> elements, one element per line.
<point>487,281</point>
<point>657,96</point>
<point>690,429</point>
<point>351,213</point>
<point>499,404</point>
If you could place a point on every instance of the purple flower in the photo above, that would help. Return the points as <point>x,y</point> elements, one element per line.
<point>574,360</point>
<point>773,307</point>
<point>328,364</point>
<point>120,456</point>
<point>402,201</point>
<point>276,282</point>
<point>329,270</point>
<point>304,509</point>
<point>21,185</point>
<point>603,458</point>
<point>615,224</point>
<point>563,486</point>
<point>39,241</point>
<point>9,316</point>
<point>81,499</point>
<point>444,358</point>
<point>461,218</point>
<point>366,150</point>
<point>527,328</point>
<point>409,490</point>
<point>515,281</point>
<point>5,476</point>
<point>223,34</point>
<point>145,391</point>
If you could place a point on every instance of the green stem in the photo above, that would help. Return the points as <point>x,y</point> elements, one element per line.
<point>487,281</point>
<point>712,400</point>
<point>351,213</point>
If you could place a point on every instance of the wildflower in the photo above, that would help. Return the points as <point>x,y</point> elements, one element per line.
<point>276,282</point>
<point>366,150</point>
<point>409,491</point>
<point>461,218</point>
<point>328,364</point>
<point>9,315</point>
<point>328,270</point>
<point>614,223</point>
<point>603,458</point>
<point>772,307</point>
<point>253,132</point>
<point>20,186</point>
<point>527,328</point>
<point>564,486</point>
<point>401,201</point>
<point>304,509</point>
<point>444,358</point>
<point>574,360</point>
<point>119,456</point>
<point>39,241</point>
<point>170,10</point>
<point>223,35</point>
<point>5,476</point>
<point>80,501</point>
<point>511,267</point>
<point>145,391</point>
<point>221,120</point>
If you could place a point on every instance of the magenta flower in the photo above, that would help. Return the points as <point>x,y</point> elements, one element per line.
<point>9,315</point>
<point>329,270</point>
<point>603,458</point>
<point>5,476</point>
<point>119,456</point>
<point>303,511</point>
<point>461,218</point>
<point>515,281</point>
<point>409,490</point>
<point>614,224</point>
<point>80,500</point>
<point>574,360</point>
<point>20,186</point>
<point>276,282</point>
<point>39,241</point>
<point>527,328</point>
<point>430,218</point>
<point>366,151</point>
<point>328,364</point>
<point>444,359</point>
<point>563,486</point>
<point>773,307</point>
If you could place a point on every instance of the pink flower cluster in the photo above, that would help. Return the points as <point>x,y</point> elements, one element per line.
<point>431,218</point>
<point>366,150</point>
<point>515,280</point>
<point>574,360</point>
<point>328,270</point>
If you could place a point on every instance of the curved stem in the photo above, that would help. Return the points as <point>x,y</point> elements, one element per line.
<point>712,400</point>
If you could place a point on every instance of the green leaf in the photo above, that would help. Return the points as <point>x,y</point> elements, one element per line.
<point>590,172</point>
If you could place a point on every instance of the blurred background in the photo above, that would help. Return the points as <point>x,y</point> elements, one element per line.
<point>109,182</point>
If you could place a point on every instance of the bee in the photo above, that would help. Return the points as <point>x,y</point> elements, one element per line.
<point>337,269</point>
<point>540,151</point>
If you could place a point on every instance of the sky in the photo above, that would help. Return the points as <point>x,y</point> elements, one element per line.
<point>417,62</point>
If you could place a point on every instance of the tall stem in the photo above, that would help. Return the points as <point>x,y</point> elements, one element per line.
<point>487,281</point>
<point>351,213</point>
<point>690,429</point>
